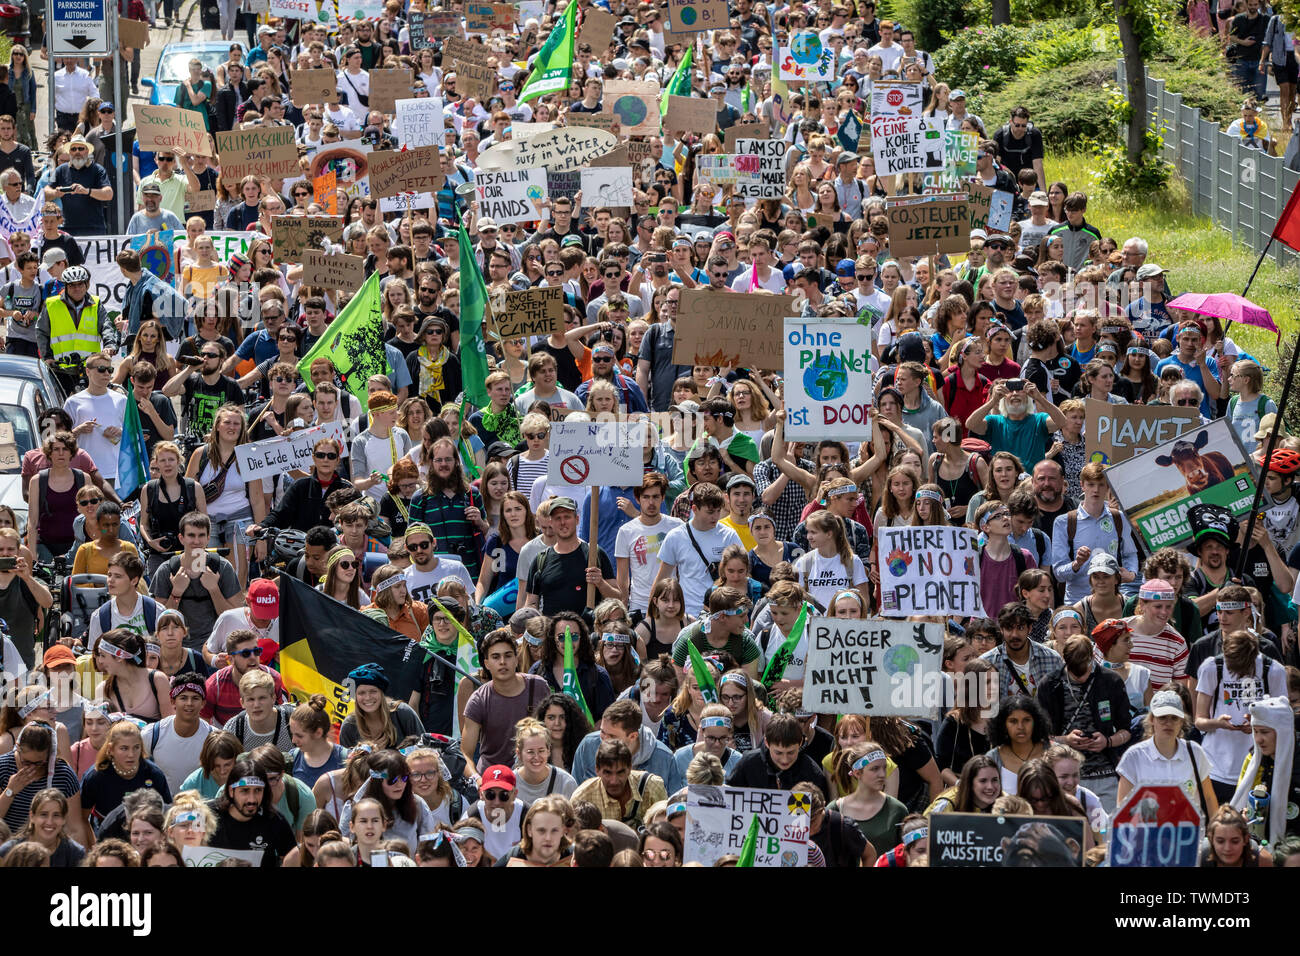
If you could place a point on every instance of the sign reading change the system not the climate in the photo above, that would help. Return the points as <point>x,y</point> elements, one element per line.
<point>929,570</point>
<point>872,666</point>
<point>718,818</point>
<point>606,453</point>
<point>828,379</point>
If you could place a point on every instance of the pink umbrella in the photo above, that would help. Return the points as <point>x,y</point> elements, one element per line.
<point>1229,307</point>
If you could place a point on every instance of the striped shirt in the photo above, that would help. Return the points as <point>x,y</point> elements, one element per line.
<point>787,508</point>
<point>64,781</point>
<point>1164,654</point>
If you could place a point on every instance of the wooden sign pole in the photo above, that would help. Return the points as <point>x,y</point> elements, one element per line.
<point>593,560</point>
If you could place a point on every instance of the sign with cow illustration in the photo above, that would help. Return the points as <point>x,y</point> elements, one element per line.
<point>1158,487</point>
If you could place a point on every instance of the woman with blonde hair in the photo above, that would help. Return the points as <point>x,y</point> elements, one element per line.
<point>800,195</point>
<point>120,768</point>
<point>376,718</point>
<point>149,346</point>
<point>189,821</point>
<point>535,775</point>
<point>874,811</point>
<point>830,564</point>
<point>233,504</point>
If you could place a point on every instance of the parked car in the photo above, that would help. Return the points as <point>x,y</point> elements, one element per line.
<point>174,66</point>
<point>21,403</point>
<point>15,21</point>
<point>34,370</point>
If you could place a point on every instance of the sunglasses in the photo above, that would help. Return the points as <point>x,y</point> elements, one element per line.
<point>90,501</point>
<point>601,358</point>
<point>166,159</point>
<point>249,652</point>
<point>397,781</point>
<point>419,545</point>
<point>553,275</point>
<point>326,455</point>
<point>283,379</point>
<point>497,795</point>
<point>535,436</point>
<point>1187,402</point>
<point>101,369</point>
<point>211,355</point>
<point>347,565</point>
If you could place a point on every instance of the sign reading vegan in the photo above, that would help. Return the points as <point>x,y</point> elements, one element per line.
<point>929,570</point>
<point>268,152</point>
<point>293,235</point>
<point>1115,433</point>
<point>333,272</point>
<point>530,312</point>
<point>1158,487</point>
<point>605,453</point>
<point>872,666</point>
<point>924,225</point>
<point>984,840</point>
<point>738,331</point>
<point>170,127</point>
<point>512,195</point>
<point>394,171</point>
<point>828,380</point>
<point>718,818</point>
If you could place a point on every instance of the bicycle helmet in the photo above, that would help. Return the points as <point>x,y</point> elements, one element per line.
<point>75,274</point>
<point>1285,462</point>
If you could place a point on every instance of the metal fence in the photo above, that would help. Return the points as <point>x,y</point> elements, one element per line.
<point>1242,190</point>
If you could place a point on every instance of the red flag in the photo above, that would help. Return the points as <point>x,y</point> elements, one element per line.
<point>1287,230</point>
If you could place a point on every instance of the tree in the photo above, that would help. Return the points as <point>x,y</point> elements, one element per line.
<point>1001,12</point>
<point>1134,42</point>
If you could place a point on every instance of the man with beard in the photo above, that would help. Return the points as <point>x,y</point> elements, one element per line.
<point>152,218</point>
<point>427,568</point>
<point>1049,494</point>
<point>558,578</point>
<point>84,188</point>
<point>1022,666</point>
<point>247,818</point>
<point>1015,430</point>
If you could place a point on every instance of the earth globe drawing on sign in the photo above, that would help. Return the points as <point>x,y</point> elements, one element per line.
<point>630,110</point>
<point>806,47</point>
<point>687,16</point>
<point>826,378</point>
<point>901,660</point>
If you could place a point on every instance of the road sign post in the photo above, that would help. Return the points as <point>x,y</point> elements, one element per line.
<point>1156,826</point>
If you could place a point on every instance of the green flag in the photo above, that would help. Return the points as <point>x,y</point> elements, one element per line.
<point>749,849</point>
<point>553,67</point>
<point>680,84</point>
<point>708,689</point>
<point>132,455</point>
<point>473,311</point>
<point>775,669</point>
<point>571,686</point>
<point>354,342</point>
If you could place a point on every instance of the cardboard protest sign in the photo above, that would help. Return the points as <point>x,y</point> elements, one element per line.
<point>873,666</point>
<point>725,328</point>
<point>325,192</point>
<point>827,378</point>
<point>925,225</point>
<point>729,169</point>
<point>606,122</point>
<point>597,29</point>
<point>204,200</point>
<point>275,456</point>
<point>528,313</point>
<point>442,23</point>
<point>405,171</point>
<point>906,144</point>
<point>741,131</point>
<point>420,122</point>
<point>487,18</point>
<point>896,98</point>
<point>333,272</point>
<point>929,570</point>
<point>586,454</point>
<point>606,186</point>
<point>292,235</point>
<point>1115,433</point>
<point>635,104</point>
<point>132,33</point>
<point>691,113</point>
<point>771,175</point>
<point>263,151</point>
<point>9,457</point>
<point>984,840</point>
<point>697,16</point>
<point>205,856</point>
<point>567,147</point>
<point>638,154</point>
<point>620,156</point>
<point>469,61</point>
<point>990,209</point>
<point>309,87</point>
<point>718,818</point>
<point>511,195</point>
<point>170,127</point>
<point>388,86</point>
<point>804,57</point>
<point>1202,466</point>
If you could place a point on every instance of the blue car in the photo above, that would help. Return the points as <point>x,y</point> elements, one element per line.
<point>174,66</point>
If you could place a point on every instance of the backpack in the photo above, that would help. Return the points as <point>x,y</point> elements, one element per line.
<point>1218,674</point>
<point>78,482</point>
<point>105,613</point>
<point>187,499</point>
<point>1072,525</point>
<point>1260,404</point>
<point>1018,556</point>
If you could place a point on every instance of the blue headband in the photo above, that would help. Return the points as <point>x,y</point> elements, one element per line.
<point>911,836</point>
<point>869,758</point>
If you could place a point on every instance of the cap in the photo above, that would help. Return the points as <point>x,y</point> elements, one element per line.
<point>570,240</point>
<point>620,64</point>
<point>1004,241</point>
<point>792,270</point>
<point>979,234</point>
<point>151,188</point>
<point>846,158</point>
<point>1211,521</point>
<point>52,256</point>
<point>372,674</point>
<point>106,107</point>
<point>58,654</point>
<point>1156,589</point>
<point>687,407</point>
<point>500,449</point>
<point>740,479</point>
<point>264,599</point>
<point>1037,197</point>
<point>498,777</point>
<point>521,617</point>
<point>1266,424</point>
<point>1149,271</point>
<point>265,30</point>
<point>957,95</point>
<point>1103,563</point>
<point>564,502</point>
<point>845,267</point>
<point>78,140</point>
<point>487,222</point>
<point>1167,703</point>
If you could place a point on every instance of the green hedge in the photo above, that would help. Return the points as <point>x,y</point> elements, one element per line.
<point>1068,104</point>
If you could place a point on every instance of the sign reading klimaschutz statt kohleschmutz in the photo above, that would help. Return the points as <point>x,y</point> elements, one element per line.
<point>78,28</point>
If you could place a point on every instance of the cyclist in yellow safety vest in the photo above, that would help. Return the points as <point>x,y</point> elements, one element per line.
<point>72,326</point>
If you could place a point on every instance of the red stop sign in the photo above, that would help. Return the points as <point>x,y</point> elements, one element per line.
<point>894,97</point>
<point>1156,826</point>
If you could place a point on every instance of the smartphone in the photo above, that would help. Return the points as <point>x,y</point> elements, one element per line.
<point>66,189</point>
<point>1015,385</point>
<point>8,564</point>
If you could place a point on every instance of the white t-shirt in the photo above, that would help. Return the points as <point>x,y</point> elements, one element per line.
<point>107,411</point>
<point>693,574</point>
<point>527,555</point>
<point>133,622</point>
<point>640,544</point>
<point>826,576</point>
<point>237,619</point>
<point>421,584</point>
<point>799,656</point>
<point>1234,695</point>
<point>175,755</point>
<point>889,55</point>
<point>1143,765</point>
<point>775,281</point>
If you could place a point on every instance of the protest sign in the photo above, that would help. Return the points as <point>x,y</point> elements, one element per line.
<point>204,200</point>
<point>469,61</point>
<point>636,105</point>
<point>108,285</point>
<point>597,29</point>
<point>350,161</point>
<point>478,17</point>
<point>607,186</point>
<point>925,225</point>
<point>529,312</point>
<point>1157,826</point>
<point>405,171</point>
<point>983,839</point>
<point>756,130</point>
<point>566,147</point>
<point>804,57</point>
<point>404,201</point>
<point>9,457</point>
<point>827,379</point>
<point>696,16</point>
<point>606,122</point>
<point>361,9</point>
<point>466,52</point>
<point>172,128</point>
<point>850,133</point>
<point>512,195</point>
<point>293,9</point>
<point>728,169</point>
<point>906,144</point>
<point>263,151</point>
<point>526,131</point>
<point>873,666</point>
<point>388,86</point>
<point>564,184</point>
<point>896,98</point>
<point>724,328</point>
<point>275,456</point>
<point>929,570</point>
<point>420,122</point>
<point>638,155</point>
<point>132,33</point>
<point>1157,487</point>
<point>204,856</point>
<point>717,819</point>
<point>31,225</point>
<point>771,175</point>
<point>990,209</point>
<point>442,23</point>
<point>155,250</point>
<point>325,192</point>
<point>1115,433</point>
<point>415,28</point>
<point>691,113</point>
<point>619,156</point>
<point>293,235</point>
<point>310,87</point>
<point>586,454</point>
<point>333,272</point>
<point>960,151</point>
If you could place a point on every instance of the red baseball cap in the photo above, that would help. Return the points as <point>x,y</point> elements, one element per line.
<point>498,777</point>
<point>264,599</point>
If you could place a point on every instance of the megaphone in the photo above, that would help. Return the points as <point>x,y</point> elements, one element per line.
<point>465,190</point>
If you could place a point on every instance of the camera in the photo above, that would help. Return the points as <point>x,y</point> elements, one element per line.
<point>8,564</point>
<point>1015,385</point>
